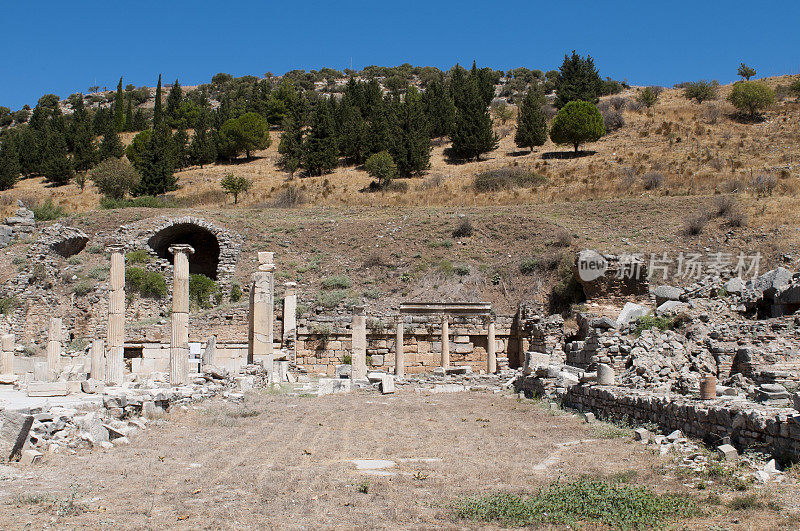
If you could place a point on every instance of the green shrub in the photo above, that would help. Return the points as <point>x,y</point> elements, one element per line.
<point>336,282</point>
<point>146,283</point>
<point>461,270</point>
<point>139,256</point>
<point>651,321</point>
<point>202,291</point>
<point>332,299</point>
<point>580,503</point>
<point>8,305</point>
<point>47,211</point>
<point>83,288</point>
<point>347,359</point>
<point>236,292</point>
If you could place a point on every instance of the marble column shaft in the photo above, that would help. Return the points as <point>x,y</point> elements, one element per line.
<point>445,342</point>
<point>7,354</point>
<point>491,348</point>
<point>179,344</point>
<point>98,360</point>
<point>114,363</point>
<point>399,352</point>
<point>358,358</point>
<point>54,347</point>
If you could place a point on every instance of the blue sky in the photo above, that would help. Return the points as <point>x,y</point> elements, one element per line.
<point>63,47</point>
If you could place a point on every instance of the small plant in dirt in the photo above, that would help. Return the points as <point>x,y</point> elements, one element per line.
<point>8,305</point>
<point>562,238</point>
<point>578,504</point>
<point>464,229</point>
<point>461,270</point>
<point>48,211</point>
<point>701,91</point>
<point>695,225</point>
<point>331,299</point>
<point>652,180</point>
<point>336,282</point>
<point>363,487</point>
<point>648,322</point>
<point>506,179</point>
<point>289,197</point>
<point>648,97</point>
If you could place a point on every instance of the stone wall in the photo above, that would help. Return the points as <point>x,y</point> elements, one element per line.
<point>770,430</point>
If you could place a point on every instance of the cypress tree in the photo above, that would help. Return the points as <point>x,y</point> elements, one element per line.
<point>111,145</point>
<point>458,85</point>
<point>412,147</point>
<point>56,166</point>
<point>157,111</point>
<point>30,150</point>
<point>9,162</point>
<point>578,80</point>
<point>440,109</point>
<point>320,151</point>
<point>202,149</point>
<point>158,164</point>
<point>352,133</point>
<point>181,141</point>
<point>473,133</point>
<point>531,122</point>
<point>139,121</point>
<point>119,108</point>
<point>291,145</point>
<point>129,114</point>
<point>84,151</point>
<point>174,99</point>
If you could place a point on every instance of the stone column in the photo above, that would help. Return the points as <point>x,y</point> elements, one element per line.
<point>98,362</point>
<point>491,348</point>
<point>261,312</point>
<point>399,353</point>
<point>7,355</point>
<point>358,358</point>
<point>54,348</point>
<point>116,318</point>
<point>179,344</point>
<point>445,342</point>
<point>289,314</point>
<point>210,352</point>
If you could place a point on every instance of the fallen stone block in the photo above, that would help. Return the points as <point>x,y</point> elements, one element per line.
<point>630,312</point>
<point>461,369</point>
<point>375,376</point>
<point>667,293</point>
<point>329,386</point>
<point>728,452</point>
<point>641,434</point>
<point>14,431</point>
<point>92,386</point>
<point>589,418</point>
<point>671,308</point>
<point>8,379</point>
<point>30,457</point>
<point>121,441</point>
<point>387,384</point>
<point>105,445</point>
<point>675,435</point>
<point>48,389</point>
<point>439,371</point>
<point>535,360</point>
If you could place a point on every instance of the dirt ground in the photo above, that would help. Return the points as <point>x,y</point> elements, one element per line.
<point>287,462</point>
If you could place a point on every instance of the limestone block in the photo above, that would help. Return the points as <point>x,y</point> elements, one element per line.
<point>728,452</point>
<point>30,457</point>
<point>48,389</point>
<point>641,434</point>
<point>387,384</point>
<point>329,386</point>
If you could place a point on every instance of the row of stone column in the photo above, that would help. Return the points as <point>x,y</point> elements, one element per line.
<point>359,341</point>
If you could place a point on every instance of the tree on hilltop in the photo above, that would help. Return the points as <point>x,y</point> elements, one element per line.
<point>577,122</point>
<point>745,72</point>
<point>578,80</point>
<point>531,122</point>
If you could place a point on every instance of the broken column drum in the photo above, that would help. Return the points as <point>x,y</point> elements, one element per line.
<point>7,354</point>
<point>54,348</point>
<point>98,365</point>
<point>179,343</point>
<point>261,312</point>
<point>359,340</point>
<point>116,318</point>
<point>605,374</point>
<point>289,336</point>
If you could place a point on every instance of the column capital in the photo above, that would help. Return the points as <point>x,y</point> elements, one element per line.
<point>182,248</point>
<point>358,310</point>
<point>115,248</point>
<point>266,257</point>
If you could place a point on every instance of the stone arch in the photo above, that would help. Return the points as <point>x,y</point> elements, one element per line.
<point>204,261</point>
<point>216,248</point>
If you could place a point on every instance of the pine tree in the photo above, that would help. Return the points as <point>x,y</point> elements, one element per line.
<point>139,121</point>
<point>9,162</point>
<point>473,133</point>
<point>380,122</point>
<point>129,113</point>
<point>458,85</point>
<point>174,99</point>
<point>578,80</point>
<point>84,151</point>
<point>412,146</point>
<point>56,166</point>
<point>531,122</point>
<point>291,145</point>
<point>157,112</point>
<point>320,151</point>
<point>111,145</point>
<point>119,109</point>
<point>202,149</point>
<point>158,164</point>
<point>440,109</point>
